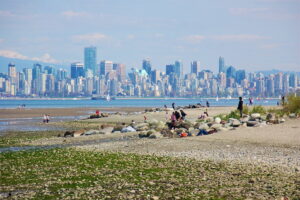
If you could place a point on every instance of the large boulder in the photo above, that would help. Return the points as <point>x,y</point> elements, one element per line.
<point>218,120</point>
<point>216,126</point>
<point>155,135</point>
<point>107,130</point>
<point>255,116</point>
<point>252,123</point>
<point>292,115</point>
<point>128,129</point>
<point>204,126</point>
<point>78,133</point>
<point>91,132</point>
<point>142,127</point>
<point>236,123</point>
<point>209,119</point>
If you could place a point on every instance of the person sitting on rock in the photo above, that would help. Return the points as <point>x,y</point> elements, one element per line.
<point>177,114</point>
<point>183,114</point>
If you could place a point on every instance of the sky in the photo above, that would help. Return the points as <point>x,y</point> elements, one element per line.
<point>249,34</point>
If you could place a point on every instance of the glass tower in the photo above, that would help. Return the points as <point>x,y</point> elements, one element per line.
<point>90,59</point>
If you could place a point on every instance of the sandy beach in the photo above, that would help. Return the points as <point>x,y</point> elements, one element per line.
<point>38,112</point>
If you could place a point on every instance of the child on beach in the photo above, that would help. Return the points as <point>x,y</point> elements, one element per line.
<point>47,118</point>
<point>44,118</point>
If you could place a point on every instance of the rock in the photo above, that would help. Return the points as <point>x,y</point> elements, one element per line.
<point>107,130</point>
<point>180,130</point>
<point>78,133</point>
<point>155,135</point>
<point>255,115</point>
<point>128,129</point>
<point>216,126</point>
<point>143,135</point>
<point>117,132</point>
<point>155,198</point>
<point>236,123</point>
<point>292,115</point>
<point>203,126</point>
<point>193,132</point>
<point>223,129</point>
<point>69,133</point>
<point>218,120</point>
<point>153,122</point>
<point>91,132</point>
<point>252,123</point>
<point>209,119</point>
<point>118,128</point>
<point>142,127</point>
<point>104,114</point>
<point>245,118</point>
<point>281,120</point>
<point>227,125</point>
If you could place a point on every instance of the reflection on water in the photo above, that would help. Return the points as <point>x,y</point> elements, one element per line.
<point>33,124</point>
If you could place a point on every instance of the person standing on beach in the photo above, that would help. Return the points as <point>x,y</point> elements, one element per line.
<point>173,106</point>
<point>240,106</point>
<point>207,104</point>
<point>47,118</point>
<point>44,118</point>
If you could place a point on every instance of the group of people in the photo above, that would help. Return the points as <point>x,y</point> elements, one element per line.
<point>46,118</point>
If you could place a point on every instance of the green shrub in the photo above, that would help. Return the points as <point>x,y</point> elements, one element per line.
<point>293,104</point>
<point>246,110</point>
<point>258,109</point>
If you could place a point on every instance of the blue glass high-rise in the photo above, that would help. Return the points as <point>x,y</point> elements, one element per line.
<point>90,59</point>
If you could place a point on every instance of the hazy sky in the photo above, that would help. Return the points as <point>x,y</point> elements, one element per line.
<point>249,34</point>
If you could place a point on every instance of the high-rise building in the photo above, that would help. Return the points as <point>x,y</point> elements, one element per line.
<point>105,67</point>
<point>178,68</point>
<point>12,72</point>
<point>195,67</point>
<point>90,59</point>
<point>77,70</point>
<point>121,71</point>
<point>170,69</point>
<point>222,65</point>
<point>240,75</point>
<point>231,72</point>
<point>278,83</point>
<point>285,83</point>
<point>293,80</point>
<point>155,76</point>
<point>147,66</point>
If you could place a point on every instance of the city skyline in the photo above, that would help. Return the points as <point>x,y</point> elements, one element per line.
<point>111,78</point>
<point>252,35</point>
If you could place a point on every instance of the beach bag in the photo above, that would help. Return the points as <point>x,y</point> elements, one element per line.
<point>183,135</point>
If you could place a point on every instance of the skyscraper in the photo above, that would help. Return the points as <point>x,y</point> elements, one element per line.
<point>90,59</point>
<point>178,67</point>
<point>170,69</point>
<point>77,70</point>
<point>12,73</point>
<point>195,67</point>
<point>147,66</point>
<point>121,71</point>
<point>105,67</point>
<point>221,65</point>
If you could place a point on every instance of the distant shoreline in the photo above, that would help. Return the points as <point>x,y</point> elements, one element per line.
<point>124,98</point>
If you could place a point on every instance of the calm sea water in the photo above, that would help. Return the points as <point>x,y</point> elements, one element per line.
<point>143,102</point>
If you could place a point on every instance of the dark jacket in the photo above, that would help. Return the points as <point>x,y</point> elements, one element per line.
<point>240,106</point>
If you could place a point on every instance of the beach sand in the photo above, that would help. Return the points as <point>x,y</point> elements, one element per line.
<point>38,112</point>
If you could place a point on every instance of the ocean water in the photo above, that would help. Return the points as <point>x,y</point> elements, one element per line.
<point>142,102</point>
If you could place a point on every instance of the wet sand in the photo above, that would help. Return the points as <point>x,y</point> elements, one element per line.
<point>55,112</point>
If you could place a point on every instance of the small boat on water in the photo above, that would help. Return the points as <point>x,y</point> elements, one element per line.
<point>107,98</point>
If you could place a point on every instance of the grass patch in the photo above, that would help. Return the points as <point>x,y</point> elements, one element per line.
<point>67,173</point>
<point>292,105</point>
<point>18,138</point>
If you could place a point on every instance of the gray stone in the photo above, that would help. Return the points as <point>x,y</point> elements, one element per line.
<point>292,115</point>
<point>218,120</point>
<point>128,129</point>
<point>91,132</point>
<point>107,130</point>
<point>216,126</point>
<point>155,135</point>
<point>203,126</point>
<point>255,115</point>
<point>252,123</point>
<point>236,123</point>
